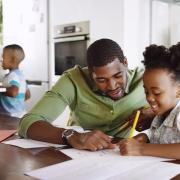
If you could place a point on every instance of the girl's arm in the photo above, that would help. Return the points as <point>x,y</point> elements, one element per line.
<point>162,150</point>
<point>133,147</point>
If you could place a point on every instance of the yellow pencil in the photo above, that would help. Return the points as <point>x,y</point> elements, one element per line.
<point>134,124</point>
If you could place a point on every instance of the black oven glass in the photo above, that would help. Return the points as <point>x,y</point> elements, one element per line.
<point>68,54</point>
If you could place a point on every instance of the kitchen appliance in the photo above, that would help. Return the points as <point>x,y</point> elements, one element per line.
<point>70,45</point>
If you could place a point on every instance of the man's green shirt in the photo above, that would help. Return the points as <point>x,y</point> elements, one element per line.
<point>89,109</point>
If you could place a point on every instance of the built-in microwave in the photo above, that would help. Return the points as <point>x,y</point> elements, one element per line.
<point>70,45</point>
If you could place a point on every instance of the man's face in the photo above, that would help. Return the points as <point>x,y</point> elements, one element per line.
<point>111,79</point>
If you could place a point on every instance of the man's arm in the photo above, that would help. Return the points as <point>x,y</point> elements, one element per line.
<point>37,123</point>
<point>50,106</point>
<point>44,131</point>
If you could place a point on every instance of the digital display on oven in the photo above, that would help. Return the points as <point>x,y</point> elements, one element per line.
<point>69,29</point>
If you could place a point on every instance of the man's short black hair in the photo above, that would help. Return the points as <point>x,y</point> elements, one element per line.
<point>102,52</point>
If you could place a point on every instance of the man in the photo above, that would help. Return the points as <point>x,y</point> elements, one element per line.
<point>102,98</point>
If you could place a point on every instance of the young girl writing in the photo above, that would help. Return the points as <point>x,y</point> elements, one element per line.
<point>162,87</point>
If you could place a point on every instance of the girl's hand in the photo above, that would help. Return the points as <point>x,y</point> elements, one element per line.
<point>142,137</point>
<point>131,147</point>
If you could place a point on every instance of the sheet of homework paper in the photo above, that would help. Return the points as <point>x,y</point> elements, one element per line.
<point>94,167</point>
<point>108,153</point>
<point>158,170</point>
<point>29,143</point>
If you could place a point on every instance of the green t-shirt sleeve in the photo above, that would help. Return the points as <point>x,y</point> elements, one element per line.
<point>51,105</point>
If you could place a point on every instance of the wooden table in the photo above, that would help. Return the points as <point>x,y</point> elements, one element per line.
<point>15,161</point>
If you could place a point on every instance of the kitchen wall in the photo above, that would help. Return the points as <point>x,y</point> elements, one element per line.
<point>124,21</point>
<point>134,24</point>
<point>136,28</point>
<point>174,23</point>
<point>160,30</point>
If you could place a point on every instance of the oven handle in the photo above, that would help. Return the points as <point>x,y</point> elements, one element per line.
<point>69,39</point>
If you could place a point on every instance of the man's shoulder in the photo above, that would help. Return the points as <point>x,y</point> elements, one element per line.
<point>134,78</point>
<point>77,72</point>
<point>135,74</point>
<point>79,77</point>
<point>137,71</point>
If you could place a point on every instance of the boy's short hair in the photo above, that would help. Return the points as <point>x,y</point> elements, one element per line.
<point>18,51</point>
<point>102,52</point>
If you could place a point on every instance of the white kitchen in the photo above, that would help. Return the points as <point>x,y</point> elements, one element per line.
<point>133,24</point>
<point>55,36</point>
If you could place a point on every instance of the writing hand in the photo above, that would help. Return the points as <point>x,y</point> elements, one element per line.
<point>142,137</point>
<point>131,147</point>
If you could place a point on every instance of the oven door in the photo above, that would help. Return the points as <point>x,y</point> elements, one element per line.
<point>70,51</point>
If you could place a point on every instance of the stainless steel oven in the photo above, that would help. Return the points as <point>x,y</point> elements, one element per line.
<point>70,45</point>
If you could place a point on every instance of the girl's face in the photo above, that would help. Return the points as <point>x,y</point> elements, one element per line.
<point>162,92</point>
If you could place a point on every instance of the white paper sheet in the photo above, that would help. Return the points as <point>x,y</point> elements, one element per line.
<point>89,168</point>
<point>158,170</point>
<point>77,154</point>
<point>93,168</point>
<point>108,153</point>
<point>29,143</point>
<point>93,165</point>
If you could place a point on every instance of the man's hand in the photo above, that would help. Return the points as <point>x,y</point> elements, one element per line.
<point>95,140</point>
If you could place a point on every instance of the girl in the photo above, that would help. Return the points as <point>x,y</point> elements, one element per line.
<point>162,87</point>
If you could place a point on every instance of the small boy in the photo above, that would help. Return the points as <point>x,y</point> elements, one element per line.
<point>12,101</point>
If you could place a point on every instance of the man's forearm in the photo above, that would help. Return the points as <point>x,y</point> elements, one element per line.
<point>94,140</point>
<point>44,131</point>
